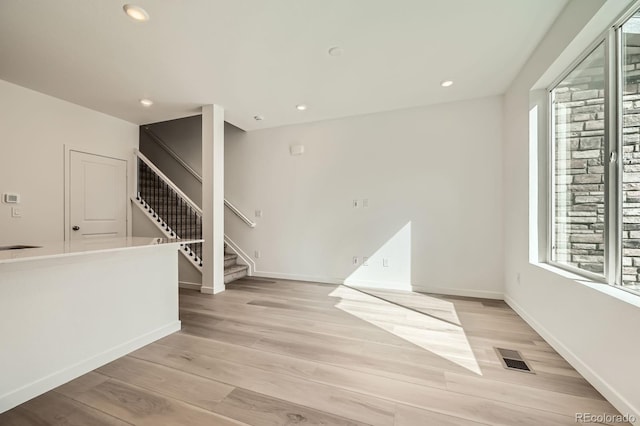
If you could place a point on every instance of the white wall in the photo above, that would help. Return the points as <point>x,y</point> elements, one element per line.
<point>33,130</point>
<point>433,180</point>
<point>594,330</point>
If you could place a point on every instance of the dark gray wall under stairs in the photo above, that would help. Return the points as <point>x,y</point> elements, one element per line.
<point>184,137</point>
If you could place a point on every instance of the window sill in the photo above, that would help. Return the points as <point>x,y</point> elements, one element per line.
<point>609,290</point>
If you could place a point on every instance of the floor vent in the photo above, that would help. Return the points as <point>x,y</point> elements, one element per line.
<point>513,360</point>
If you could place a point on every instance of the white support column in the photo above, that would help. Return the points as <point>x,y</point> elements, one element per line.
<point>213,199</point>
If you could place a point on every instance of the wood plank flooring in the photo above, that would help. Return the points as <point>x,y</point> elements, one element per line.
<point>282,353</point>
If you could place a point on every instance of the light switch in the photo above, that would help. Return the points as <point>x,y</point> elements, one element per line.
<point>16,212</point>
<point>258,213</point>
<point>11,198</point>
<point>385,263</point>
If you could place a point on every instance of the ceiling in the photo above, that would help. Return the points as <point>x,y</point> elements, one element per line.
<point>263,57</point>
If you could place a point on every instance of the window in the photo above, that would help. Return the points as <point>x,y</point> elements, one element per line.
<point>578,158</point>
<point>594,217</point>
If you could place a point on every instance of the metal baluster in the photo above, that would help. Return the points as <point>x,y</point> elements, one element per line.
<point>185,223</point>
<point>139,188</point>
<point>178,223</point>
<point>181,218</point>
<point>193,223</point>
<point>138,167</point>
<point>144,183</point>
<point>175,212</point>
<point>165,201</point>
<point>188,217</point>
<point>157,193</point>
<point>189,212</point>
<point>153,194</point>
<point>170,210</point>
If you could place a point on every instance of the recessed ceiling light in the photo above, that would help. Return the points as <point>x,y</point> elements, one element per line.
<point>336,51</point>
<point>446,83</point>
<point>146,102</point>
<point>258,117</point>
<point>301,107</point>
<point>136,12</point>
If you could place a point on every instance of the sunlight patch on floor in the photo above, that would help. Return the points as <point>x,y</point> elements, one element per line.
<point>440,337</point>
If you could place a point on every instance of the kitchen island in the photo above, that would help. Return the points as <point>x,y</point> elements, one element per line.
<point>67,308</point>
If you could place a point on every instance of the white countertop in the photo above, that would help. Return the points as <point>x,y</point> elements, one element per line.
<point>50,250</point>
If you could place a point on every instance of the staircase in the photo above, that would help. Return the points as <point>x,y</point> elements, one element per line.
<point>232,270</point>
<point>177,216</point>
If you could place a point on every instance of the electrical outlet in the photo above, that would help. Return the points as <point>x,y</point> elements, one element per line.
<point>355,260</point>
<point>385,263</point>
<point>257,254</point>
<point>258,213</point>
<point>365,261</point>
<point>365,203</point>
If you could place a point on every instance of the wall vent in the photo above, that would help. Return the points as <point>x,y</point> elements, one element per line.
<point>513,360</point>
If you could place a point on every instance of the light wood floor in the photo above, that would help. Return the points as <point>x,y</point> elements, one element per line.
<point>283,352</point>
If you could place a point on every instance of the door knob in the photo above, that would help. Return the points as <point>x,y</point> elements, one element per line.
<point>76,228</point>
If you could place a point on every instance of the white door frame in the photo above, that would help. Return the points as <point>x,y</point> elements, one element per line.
<point>67,185</point>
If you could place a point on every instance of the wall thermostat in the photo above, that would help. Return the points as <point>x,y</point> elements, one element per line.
<point>11,198</point>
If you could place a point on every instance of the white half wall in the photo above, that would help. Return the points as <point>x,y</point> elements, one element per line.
<point>594,327</point>
<point>63,317</point>
<point>432,178</point>
<point>34,128</point>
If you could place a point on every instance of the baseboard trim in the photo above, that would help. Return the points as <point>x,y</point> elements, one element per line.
<point>295,277</point>
<point>617,400</point>
<point>380,284</point>
<point>211,290</point>
<point>40,386</point>
<point>189,286</point>
<point>464,292</point>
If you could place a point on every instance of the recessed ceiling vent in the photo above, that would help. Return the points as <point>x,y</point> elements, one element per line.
<point>513,360</point>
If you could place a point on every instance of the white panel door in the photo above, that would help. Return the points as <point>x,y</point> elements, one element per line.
<point>97,196</point>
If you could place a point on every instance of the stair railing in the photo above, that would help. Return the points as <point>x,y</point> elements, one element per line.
<point>173,210</point>
<point>163,145</point>
<point>166,148</point>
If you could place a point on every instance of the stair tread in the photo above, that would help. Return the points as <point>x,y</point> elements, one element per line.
<point>229,256</point>
<point>235,268</point>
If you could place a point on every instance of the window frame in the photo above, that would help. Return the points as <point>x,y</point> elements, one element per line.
<point>611,38</point>
<point>551,181</point>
